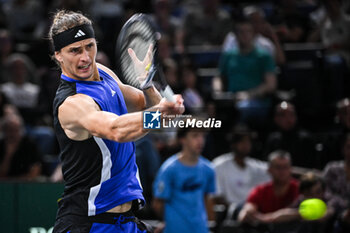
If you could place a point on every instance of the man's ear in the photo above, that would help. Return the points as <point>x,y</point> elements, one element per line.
<point>58,57</point>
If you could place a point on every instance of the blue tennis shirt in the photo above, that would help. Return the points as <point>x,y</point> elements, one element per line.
<point>99,173</point>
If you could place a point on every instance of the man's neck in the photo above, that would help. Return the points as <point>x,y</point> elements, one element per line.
<point>188,158</point>
<point>239,160</point>
<point>280,188</point>
<point>246,50</point>
<point>94,77</point>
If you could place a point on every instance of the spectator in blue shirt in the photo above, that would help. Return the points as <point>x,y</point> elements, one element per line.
<point>183,186</point>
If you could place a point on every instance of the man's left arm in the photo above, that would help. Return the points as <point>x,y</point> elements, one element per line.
<point>135,99</point>
<point>267,87</point>
<point>209,205</point>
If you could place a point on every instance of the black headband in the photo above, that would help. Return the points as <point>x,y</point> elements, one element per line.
<point>72,35</point>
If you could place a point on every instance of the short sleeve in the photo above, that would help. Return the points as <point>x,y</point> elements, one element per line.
<point>162,187</point>
<point>253,196</point>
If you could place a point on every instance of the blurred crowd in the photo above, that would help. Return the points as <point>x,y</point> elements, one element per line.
<point>276,73</point>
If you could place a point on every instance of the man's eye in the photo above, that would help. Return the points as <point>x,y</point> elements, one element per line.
<point>74,50</point>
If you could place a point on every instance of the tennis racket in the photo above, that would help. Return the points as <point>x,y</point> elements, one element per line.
<point>138,33</point>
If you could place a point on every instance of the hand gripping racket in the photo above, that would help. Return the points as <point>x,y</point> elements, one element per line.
<point>138,33</point>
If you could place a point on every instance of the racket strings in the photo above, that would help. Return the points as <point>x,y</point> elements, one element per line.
<point>138,36</point>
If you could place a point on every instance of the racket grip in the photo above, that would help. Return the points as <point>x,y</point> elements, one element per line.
<point>168,94</point>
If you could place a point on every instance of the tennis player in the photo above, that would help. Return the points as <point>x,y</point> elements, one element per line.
<point>95,132</point>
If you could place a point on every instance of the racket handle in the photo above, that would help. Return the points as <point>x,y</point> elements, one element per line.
<point>168,94</point>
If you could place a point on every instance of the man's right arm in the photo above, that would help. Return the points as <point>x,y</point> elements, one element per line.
<point>248,212</point>
<point>81,118</point>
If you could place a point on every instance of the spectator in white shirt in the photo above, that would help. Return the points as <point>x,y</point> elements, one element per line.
<point>236,172</point>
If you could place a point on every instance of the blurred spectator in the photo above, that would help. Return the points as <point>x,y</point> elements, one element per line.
<point>248,73</point>
<point>19,156</point>
<point>337,178</point>
<point>25,19</point>
<point>330,140</point>
<point>164,48</point>
<point>70,5</point>
<point>290,23</point>
<point>266,39</point>
<point>5,51</point>
<point>215,142</point>
<point>24,95</point>
<point>281,192</point>
<point>112,9</point>
<point>108,15</point>
<point>20,90</point>
<point>193,100</point>
<point>289,219</point>
<point>237,173</point>
<point>290,137</point>
<point>183,186</point>
<point>6,109</point>
<point>333,29</point>
<point>170,69</point>
<point>206,25</point>
<point>167,24</point>
<point>313,186</point>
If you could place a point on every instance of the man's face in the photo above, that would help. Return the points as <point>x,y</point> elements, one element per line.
<point>280,170</point>
<point>78,59</point>
<point>286,118</point>
<point>245,35</point>
<point>243,147</point>
<point>193,142</point>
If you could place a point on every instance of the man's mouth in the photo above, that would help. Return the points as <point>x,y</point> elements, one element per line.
<point>84,67</point>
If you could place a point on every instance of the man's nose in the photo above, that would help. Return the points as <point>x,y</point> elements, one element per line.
<point>85,56</point>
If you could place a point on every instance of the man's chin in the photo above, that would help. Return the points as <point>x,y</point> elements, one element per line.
<point>84,76</point>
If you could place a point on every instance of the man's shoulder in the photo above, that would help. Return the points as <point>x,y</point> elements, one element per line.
<point>264,187</point>
<point>256,163</point>
<point>169,163</point>
<point>104,71</point>
<point>334,166</point>
<point>222,160</point>
<point>262,54</point>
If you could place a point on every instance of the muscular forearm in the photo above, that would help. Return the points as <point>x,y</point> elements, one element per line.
<point>128,127</point>
<point>152,96</point>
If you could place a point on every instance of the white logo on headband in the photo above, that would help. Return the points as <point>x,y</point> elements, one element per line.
<point>79,34</point>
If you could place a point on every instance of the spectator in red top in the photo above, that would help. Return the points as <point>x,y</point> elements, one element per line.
<point>281,192</point>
